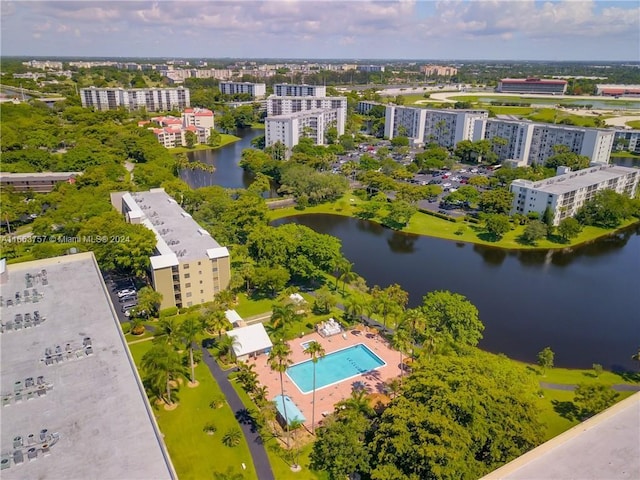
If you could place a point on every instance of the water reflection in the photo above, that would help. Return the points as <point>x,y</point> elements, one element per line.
<point>581,302</point>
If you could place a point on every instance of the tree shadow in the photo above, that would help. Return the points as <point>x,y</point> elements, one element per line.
<point>626,375</point>
<point>246,417</point>
<point>489,237</point>
<point>566,410</point>
<point>555,238</point>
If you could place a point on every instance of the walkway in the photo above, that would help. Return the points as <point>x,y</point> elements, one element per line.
<point>620,387</point>
<point>256,447</point>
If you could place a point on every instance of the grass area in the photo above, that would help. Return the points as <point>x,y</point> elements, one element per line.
<point>424,224</point>
<point>258,126</point>
<point>552,115</point>
<point>248,307</point>
<point>225,139</point>
<point>625,154</point>
<point>634,124</point>
<point>195,454</point>
<point>574,377</point>
<point>279,465</point>
<point>488,98</point>
<point>499,110</point>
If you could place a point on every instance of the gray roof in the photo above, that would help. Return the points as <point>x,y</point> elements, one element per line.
<point>606,446</point>
<point>571,181</point>
<point>97,404</point>
<point>54,176</point>
<point>176,231</point>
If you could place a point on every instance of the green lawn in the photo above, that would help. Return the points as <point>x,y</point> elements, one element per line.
<point>248,307</point>
<point>499,110</point>
<point>279,465</point>
<point>625,154</point>
<point>424,224</point>
<point>224,140</point>
<point>196,455</point>
<point>634,124</point>
<point>487,98</point>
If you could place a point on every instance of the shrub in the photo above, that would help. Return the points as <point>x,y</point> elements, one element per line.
<point>168,312</point>
<point>210,428</point>
<point>232,437</point>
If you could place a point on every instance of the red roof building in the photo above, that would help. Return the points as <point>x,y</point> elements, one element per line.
<point>532,85</point>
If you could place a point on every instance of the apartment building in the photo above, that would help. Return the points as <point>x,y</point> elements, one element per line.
<point>287,90</point>
<point>189,267</point>
<point>198,117</point>
<point>438,71</point>
<point>256,90</point>
<point>516,134</point>
<point>290,128</point>
<point>532,85</point>
<point>41,182</point>
<point>564,194</point>
<point>371,68</point>
<point>68,378</point>
<point>590,142</point>
<point>287,104</point>
<point>628,140</point>
<point>152,99</point>
<point>364,106</point>
<point>444,127</point>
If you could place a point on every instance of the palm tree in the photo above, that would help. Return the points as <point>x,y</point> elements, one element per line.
<point>315,351</point>
<point>260,395</point>
<point>283,315</point>
<point>247,376</point>
<point>189,331</point>
<point>400,341</point>
<point>162,365</point>
<point>354,307</point>
<point>167,331</point>
<point>357,402</point>
<point>215,320</point>
<point>278,362</point>
<point>341,265</point>
<point>225,345</point>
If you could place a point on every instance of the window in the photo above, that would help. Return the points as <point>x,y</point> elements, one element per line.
<point>199,263</point>
<point>187,285</point>
<point>185,266</point>
<point>186,275</point>
<point>215,269</point>
<point>201,291</point>
<point>200,282</point>
<point>188,295</point>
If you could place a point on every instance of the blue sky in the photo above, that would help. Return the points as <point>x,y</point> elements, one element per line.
<point>406,29</point>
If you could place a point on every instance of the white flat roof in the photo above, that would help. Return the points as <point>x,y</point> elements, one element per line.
<point>164,261</point>
<point>219,252</point>
<point>252,338</point>
<point>606,446</point>
<point>233,316</point>
<point>97,403</point>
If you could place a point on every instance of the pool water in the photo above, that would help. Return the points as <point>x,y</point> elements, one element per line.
<point>334,367</point>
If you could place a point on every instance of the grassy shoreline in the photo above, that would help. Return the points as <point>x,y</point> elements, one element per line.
<point>225,139</point>
<point>431,226</point>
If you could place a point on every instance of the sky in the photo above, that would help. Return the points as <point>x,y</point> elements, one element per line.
<point>584,30</point>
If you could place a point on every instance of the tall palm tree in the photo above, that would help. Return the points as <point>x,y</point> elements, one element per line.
<point>282,315</point>
<point>341,265</point>
<point>161,365</point>
<point>189,331</point>
<point>354,307</point>
<point>279,360</point>
<point>167,331</point>
<point>315,351</point>
<point>214,320</point>
<point>400,341</point>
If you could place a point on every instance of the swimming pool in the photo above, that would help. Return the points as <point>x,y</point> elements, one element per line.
<point>334,367</point>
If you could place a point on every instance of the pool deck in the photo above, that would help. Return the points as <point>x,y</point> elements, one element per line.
<point>328,396</point>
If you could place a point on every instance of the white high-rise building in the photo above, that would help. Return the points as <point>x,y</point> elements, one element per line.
<point>444,127</point>
<point>565,194</point>
<point>593,143</point>
<point>287,90</point>
<point>256,90</point>
<point>290,128</point>
<point>517,136</point>
<point>153,99</point>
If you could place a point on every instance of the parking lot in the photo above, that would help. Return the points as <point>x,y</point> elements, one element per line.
<point>116,285</point>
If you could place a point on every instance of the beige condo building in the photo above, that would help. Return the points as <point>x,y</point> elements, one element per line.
<point>189,267</point>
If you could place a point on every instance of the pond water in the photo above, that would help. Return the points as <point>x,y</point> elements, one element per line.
<point>226,161</point>
<point>582,303</point>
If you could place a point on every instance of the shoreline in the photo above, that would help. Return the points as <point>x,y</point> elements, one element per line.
<point>331,209</point>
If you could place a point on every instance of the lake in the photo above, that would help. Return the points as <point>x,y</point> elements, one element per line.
<point>226,161</point>
<point>582,303</point>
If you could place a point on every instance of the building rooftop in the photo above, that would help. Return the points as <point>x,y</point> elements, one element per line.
<point>54,176</point>
<point>606,446</point>
<point>533,81</point>
<point>302,114</point>
<point>293,412</point>
<point>87,410</point>
<point>179,237</point>
<point>575,180</point>
<point>252,338</point>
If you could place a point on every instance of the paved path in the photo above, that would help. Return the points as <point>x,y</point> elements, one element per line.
<point>256,447</point>
<point>621,387</point>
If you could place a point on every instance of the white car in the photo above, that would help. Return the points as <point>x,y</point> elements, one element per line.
<point>463,170</point>
<point>124,293</point>
<point>474,170</point>
<point>446,185</point>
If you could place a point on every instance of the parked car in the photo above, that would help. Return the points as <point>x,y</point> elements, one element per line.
<point>126,292</point>
<point>128,306</point>
<point>128,298</point>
